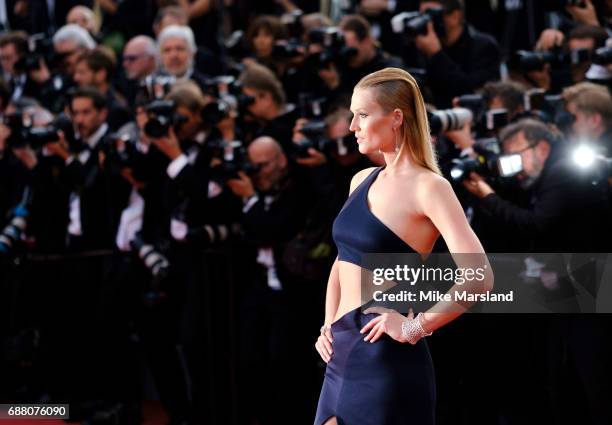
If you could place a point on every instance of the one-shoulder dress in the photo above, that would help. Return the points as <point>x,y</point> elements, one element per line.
<point>380,383</point>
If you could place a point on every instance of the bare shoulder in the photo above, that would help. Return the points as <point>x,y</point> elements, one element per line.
<point>359,177</point>
<point>430,183</point>
<point>432,190</point>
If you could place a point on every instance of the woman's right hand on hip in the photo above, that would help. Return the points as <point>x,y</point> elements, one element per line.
<point>324,344</point>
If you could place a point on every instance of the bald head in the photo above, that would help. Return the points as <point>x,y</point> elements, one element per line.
<point>83,17</point>
<point>140,57</point>
<point>267,153</point>
<point>265,145</point>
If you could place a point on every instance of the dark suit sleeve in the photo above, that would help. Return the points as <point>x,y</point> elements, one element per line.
<point>555,200</point>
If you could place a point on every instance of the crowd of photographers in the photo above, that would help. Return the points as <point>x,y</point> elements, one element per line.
<point>168,185</point>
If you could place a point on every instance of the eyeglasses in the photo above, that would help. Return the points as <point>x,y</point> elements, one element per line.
<point>131,58</point>
<point>529,146</point>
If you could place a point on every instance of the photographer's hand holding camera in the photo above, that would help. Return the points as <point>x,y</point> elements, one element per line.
<point>315,157</point>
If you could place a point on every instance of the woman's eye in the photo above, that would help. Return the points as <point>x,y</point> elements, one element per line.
<point>363,115</point>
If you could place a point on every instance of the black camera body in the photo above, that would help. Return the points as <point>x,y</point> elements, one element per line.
<point>413,24</point>
<point>317,139</point>
<point>528,61</point>
<point>603,56</point>
<point>227,91</point>
<point>40,47</point>
<point>38,137</point>
<point>334,49</point>
<point>485,121</point>
<point>162,115</point>
<point>232,158</point>
<point>486,162</point>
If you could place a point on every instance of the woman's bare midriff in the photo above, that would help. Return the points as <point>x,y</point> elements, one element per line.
<point>350,288</point>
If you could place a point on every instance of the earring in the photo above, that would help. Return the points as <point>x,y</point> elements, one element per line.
<point>397,148</point>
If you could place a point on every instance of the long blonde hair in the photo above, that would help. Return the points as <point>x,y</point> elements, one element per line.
<point>395,88</point>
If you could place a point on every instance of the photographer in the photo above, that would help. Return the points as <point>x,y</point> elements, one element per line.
<point>368,58</point>
<point>565,211</point>
<point>460,62</point>
<point>13,49</point>
<point>97,196</point>
<point>508,95</point>
<point>591,106</point>
<point>584,38</point>
<point>263,33</point>
<point>282,210</point>
<point>267,113</point>
<point>95,68</point>
<point>202,217</point>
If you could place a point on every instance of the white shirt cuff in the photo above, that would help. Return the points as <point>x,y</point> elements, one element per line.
<point>175,167</point>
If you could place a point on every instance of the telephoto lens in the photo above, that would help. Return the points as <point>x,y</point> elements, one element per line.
<point>449,120</point>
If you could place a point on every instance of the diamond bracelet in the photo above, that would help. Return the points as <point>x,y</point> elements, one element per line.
<point>412,330</point>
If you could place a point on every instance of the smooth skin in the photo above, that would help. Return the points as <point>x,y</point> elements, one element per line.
<point>424,206</point>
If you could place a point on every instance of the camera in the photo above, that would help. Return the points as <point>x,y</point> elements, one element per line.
<point>155,87</point>
<point>528,61</point>
<point>334,48</point>
<point>161,116</point>
<point>448,120</point>
<point>40,47</point>
<point>37,137</point>
<point>549,108</point>
<point>603,56</point>
<point>227,91</point>
<point>310,106</point>
<point>485,121</point>
<point>119,149</point>
<point>293,23</point>
<point>288,50</point>
<point>19,124</point>
<point>488,162</point>
<point>314,131</point>
<point>232,158</point>
<point>413,24</point>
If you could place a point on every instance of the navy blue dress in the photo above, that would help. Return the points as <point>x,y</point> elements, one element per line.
<point>380,383</point>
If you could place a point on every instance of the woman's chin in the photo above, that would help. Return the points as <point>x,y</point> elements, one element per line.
<point>365,149</point>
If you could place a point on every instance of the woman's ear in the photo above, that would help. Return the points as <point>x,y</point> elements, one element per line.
<point>398,118</point>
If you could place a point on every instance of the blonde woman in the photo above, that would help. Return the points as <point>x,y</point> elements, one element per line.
<point>379,370</point>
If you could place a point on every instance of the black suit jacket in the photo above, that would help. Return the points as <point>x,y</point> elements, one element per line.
<point>566,212</point>
<point>103,196</point>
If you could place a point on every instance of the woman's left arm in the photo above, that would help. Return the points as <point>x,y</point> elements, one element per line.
<point>441,206</point>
